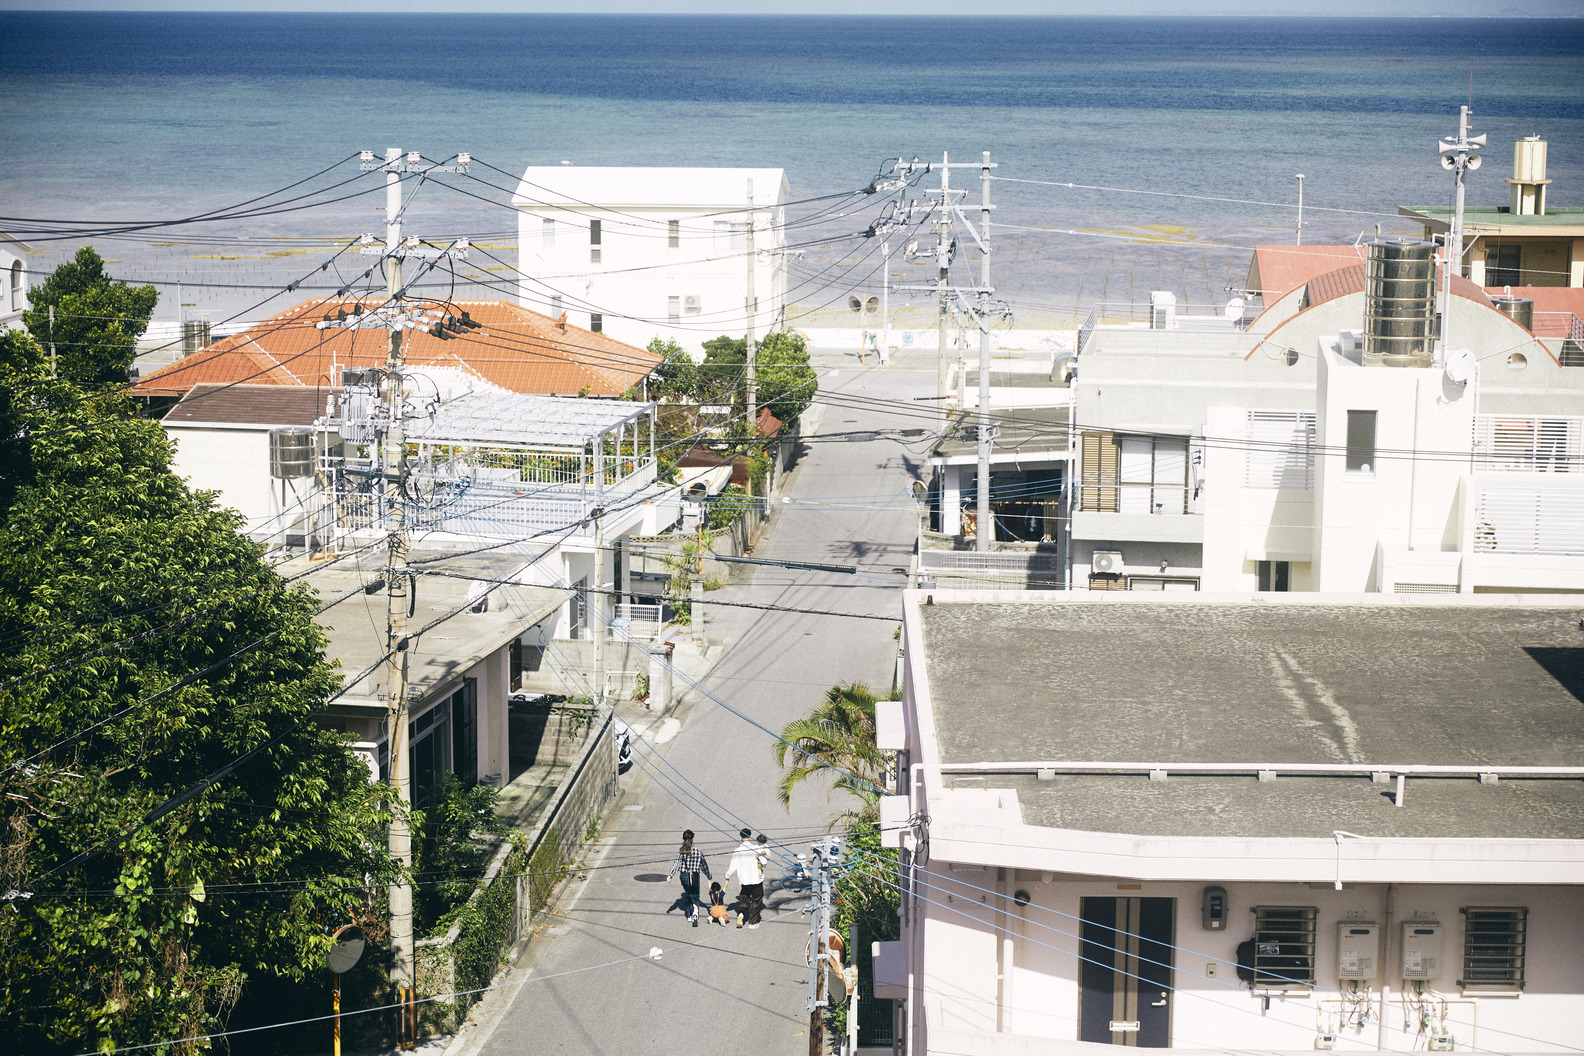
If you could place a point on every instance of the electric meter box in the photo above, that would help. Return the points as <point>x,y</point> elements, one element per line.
<point>1421,950</point>
<point>1358,950</point>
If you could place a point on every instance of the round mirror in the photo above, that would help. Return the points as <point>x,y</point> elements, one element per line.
<point>345,949</point>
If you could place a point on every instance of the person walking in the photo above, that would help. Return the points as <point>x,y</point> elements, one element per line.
<point>747,866</point>
<point>688,864</point>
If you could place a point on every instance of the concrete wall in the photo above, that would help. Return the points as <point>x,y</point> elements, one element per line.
<point>638,269</point>
<point>971,943</point>
<point>233,462</point>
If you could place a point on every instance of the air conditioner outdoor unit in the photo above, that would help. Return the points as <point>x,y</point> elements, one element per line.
<point>691,302</point>
<point>1106,561</point>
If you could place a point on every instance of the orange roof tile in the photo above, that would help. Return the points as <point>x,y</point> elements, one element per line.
<point>1350,279</point>
<point>1277,269</point>
<point>507,346</point>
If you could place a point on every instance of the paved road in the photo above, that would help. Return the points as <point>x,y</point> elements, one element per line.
<point>590,986</point>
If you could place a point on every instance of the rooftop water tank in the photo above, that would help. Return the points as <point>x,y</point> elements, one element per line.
<point>1399,303</point>
<point>291,452</point>
<point>195,335</point>
<point>1519,309</point>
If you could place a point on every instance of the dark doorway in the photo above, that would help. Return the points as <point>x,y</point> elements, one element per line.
<point>1125,971</point>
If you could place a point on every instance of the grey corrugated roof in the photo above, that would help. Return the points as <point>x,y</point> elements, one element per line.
<point>526,420</point>
<point>1324,681</point>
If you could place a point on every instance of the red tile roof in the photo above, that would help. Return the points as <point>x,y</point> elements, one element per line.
<point>507,346</point>
<point>1350,279</point>
<point>1278,269</point>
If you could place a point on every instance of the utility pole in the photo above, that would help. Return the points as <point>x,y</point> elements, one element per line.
<point>392,473</point>
<point>1458,156</point>
<point>942,262</point>
<point>826,853</point>
<point>986,529</point>
<point>752,352</point>
<point>396,588</point>
<point>885,301</point>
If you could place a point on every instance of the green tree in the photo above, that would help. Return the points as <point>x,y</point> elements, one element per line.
<point>786,382</point>
<point>677,376</point>
<point>97,320</point>
<point>144,649</point>
<point>836,738</point>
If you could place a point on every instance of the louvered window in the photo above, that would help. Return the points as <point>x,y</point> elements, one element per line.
<point>1280,451</point>
<point>1284,945</point>
<point>1493,948</point>
<point>1097,491</point>
<point>1508,444</point>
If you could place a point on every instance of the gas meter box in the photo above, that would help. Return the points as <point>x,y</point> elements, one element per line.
<point>1358,950</point>
<point>1421,950</point>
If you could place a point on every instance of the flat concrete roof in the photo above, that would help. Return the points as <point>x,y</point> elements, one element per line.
<point>356,627</point>
<point>1304,680</point>
<point>1025,430</point>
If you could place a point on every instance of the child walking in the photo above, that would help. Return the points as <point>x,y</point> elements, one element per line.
<point>717,905</point>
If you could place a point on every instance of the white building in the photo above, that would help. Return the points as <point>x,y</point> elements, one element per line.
<point>1279,454</point>
<point>639,252</point>
<point>1250,823</point>
<point>13,282</point>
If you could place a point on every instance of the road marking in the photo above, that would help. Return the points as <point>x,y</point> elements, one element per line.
<point>668,729</point>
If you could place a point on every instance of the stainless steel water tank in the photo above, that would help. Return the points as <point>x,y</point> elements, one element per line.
<point>1399,303</point>
<point>291,452</point>
<point>1519,309</point>
<point>195,335</point>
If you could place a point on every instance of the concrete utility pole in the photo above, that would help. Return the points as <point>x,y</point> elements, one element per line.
<point>1458,156</point>
<point>396,591</point>
<point>942,261</point>
<point>825,853</point>
<point>985,534</point>
<point>753,352</point>
<point>885,302</point>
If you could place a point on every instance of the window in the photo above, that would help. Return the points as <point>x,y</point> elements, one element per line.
<point>1361,441</point>
<point>557,309</point>
<point>578,617</point>
<point>1097,490</point>
<point>547,233</point>
<point>464,723</point>
<point>595,235</point>
<point>597,322</point>
<point>515,652</point>
<point>723,236</point>
<point>1280,450</point>
<point>430,753</point>
<point>1282,951</point>
<point>1507,444</point>
<point>1503,265</point>
<point>673,233</point>
<point>17,283</point>
<point>1493,948</point>
<point>1275,575</point>
<point>673,310</point>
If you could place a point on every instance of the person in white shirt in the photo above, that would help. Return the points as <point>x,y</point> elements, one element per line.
<point>747,866</point>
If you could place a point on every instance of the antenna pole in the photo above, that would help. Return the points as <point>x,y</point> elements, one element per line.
<point>1300,209</point>
<point>1459,155</point>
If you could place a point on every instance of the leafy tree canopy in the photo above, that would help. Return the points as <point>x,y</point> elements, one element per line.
<point>836,738</point>
<point>144,647</point>
<point>786,381</point>
<point>97,320</point>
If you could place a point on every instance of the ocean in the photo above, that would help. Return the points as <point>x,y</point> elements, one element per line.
<point>1184,135</point>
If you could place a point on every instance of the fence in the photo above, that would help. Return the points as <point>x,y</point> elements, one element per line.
<point>518,885</point>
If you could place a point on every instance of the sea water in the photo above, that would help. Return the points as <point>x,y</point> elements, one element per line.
<point>1183,135</point>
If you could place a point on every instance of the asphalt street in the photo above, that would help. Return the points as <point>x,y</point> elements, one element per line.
<point>616,968</point>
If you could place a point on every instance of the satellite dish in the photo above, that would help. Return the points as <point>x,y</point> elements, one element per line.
<point>1233,309</point>
<point>346,948</point>
<point>1460,366</point>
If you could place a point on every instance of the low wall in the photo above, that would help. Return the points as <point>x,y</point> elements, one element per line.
<point>520,883</point>
<point>569,667</point>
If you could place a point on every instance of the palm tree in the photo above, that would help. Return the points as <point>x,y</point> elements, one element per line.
<point>837,736</point>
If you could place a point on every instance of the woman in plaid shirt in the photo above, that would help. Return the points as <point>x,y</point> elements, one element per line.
<point>689,863</point>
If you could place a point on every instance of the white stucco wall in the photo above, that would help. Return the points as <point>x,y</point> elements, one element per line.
<point>639,269</point>
<point>233,462</point>
<point>993,967</point>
